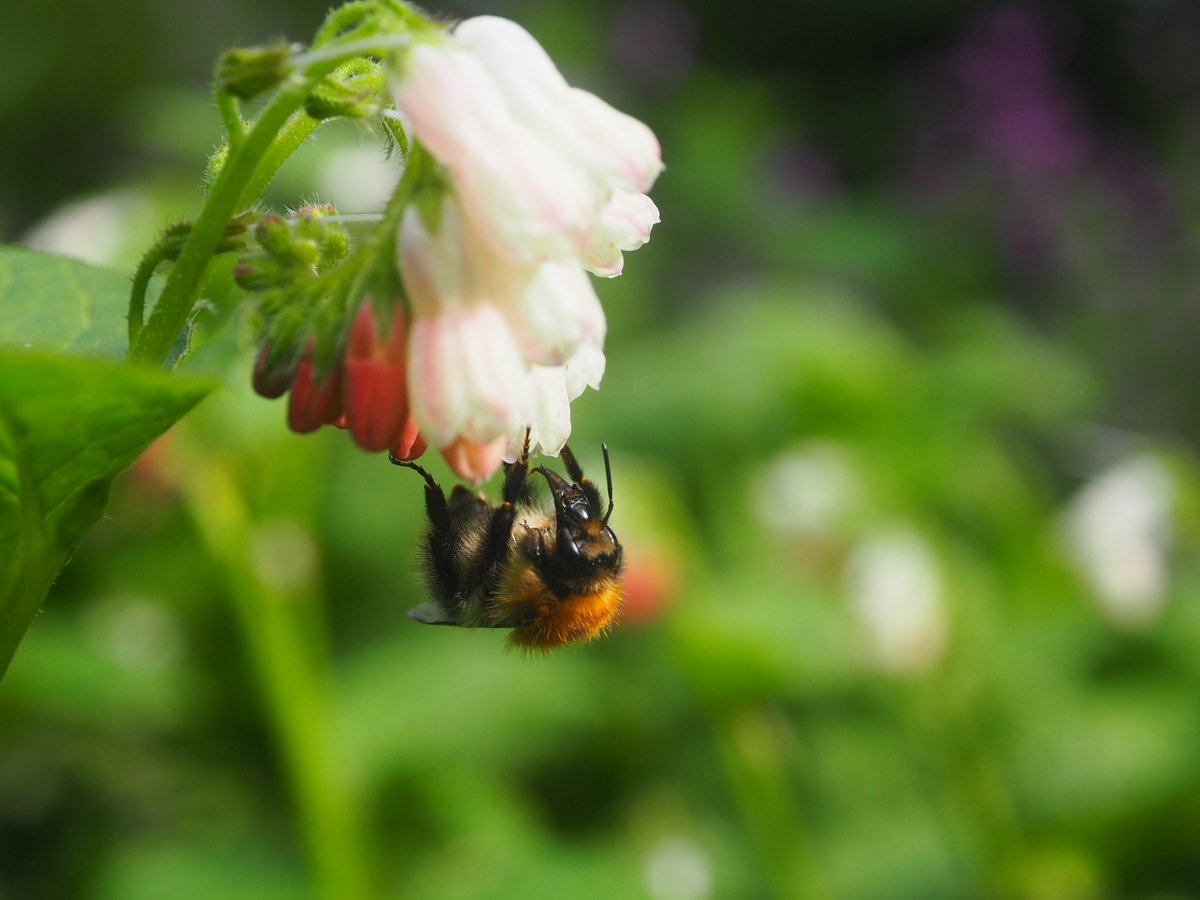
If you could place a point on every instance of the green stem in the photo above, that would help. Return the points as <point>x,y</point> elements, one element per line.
<point>188,274</point>
<point>754,767</point>
<point>231,116</point>
<point>344,19</point>
<point>292,671</point>
<point>253,160</point>
<point>294,133</point>
<point>164,249</point>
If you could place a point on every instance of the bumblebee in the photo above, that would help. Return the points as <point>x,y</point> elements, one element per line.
<point>552,579</point>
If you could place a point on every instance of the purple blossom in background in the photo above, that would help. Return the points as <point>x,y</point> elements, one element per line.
<point>656,43</point>
<point>1006,129</point>
<point>1015,107</point>
<point>800,173</point>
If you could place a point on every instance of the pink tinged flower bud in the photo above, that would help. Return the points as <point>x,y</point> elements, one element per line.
<point>624,225</point>
<point>555,313</point>
<point>615,149</point>
<point>376,384</point>
<point>472,460</point>
<point>410,445</point>
<point>523,197</point>
<point>313,402</point>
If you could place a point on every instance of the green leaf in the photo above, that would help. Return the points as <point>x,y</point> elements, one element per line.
<point>50,302</point>
<point>68,426</point>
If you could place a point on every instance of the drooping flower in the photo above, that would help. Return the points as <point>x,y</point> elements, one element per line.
<point>467,375</point>
<point>273,372</point>
<point>534,184</point>
<point>624,225</point>
<point>473,460</point>
<point>375,392</point>
<point>553,312</point>
<point>527,201</point>
<point>545,181</point>
<point>315,397</point>
<point>613,148</point>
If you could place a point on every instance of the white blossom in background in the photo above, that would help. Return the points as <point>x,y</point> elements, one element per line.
<point>357,177</point>
<point>810,490</point>
<point>676,868</point>
<point>894,588</point>
<point>546,182</point>
<point>1118,530</point>
<point>138,633</point>
<point>98,230</point>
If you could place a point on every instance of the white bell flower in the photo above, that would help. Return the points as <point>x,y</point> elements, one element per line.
<point>526,199</point>
<point>466,373</point>
<point>615,149</point>
<point>555,312</point>
<point>624,225</point>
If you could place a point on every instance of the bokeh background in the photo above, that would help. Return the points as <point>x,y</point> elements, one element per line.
<point>902,407</point>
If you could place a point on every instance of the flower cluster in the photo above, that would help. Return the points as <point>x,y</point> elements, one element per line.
<point>518,186</point>
<point>543,183</point>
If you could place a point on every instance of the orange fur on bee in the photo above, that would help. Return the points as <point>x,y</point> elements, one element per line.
<point>546,621</point>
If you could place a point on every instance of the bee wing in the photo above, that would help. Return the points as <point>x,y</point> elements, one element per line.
<point>430,614</point>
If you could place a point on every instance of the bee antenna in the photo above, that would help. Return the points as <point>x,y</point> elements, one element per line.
<point>608,478</point>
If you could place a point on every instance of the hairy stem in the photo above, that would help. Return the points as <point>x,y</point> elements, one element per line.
<point>241,171</point>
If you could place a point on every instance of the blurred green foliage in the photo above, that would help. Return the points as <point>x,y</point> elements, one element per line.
<point>881,359</point>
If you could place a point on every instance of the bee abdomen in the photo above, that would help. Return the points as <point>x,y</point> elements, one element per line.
<point>542,621</point>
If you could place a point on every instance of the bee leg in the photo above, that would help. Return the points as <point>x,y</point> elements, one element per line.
<point>435,498</point>
<point>573,468</point>
<point>495,543</point>
<point>441,533</point>
<point>576,472</point>
<point>524,493</point>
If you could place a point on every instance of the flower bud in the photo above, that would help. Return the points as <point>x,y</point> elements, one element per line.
<point>274,235</point>
<point>351,92</point>
<point>375,389</point>
<point>249,71</point>
<point>474,461</point>
<point>314,401</point>
<point>273,371</point>
<point>260,274</point>
<point>410,444</point>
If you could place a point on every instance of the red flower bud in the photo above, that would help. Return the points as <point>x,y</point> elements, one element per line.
<point>272,373</point>
<point>410,444</point>
<point>376,384</point>
<point>314,403</point>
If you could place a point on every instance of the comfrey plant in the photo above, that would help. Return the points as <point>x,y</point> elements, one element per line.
<point>461,318</point>
<point>467,317</point>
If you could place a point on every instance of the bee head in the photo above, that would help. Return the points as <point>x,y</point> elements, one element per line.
<point>584,541</point>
